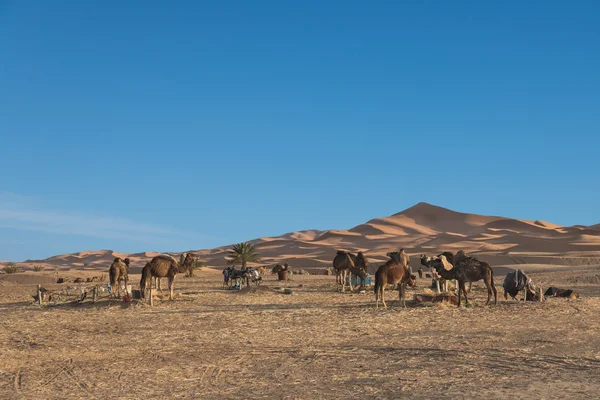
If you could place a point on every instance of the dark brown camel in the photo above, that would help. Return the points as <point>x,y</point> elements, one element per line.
<point>164,266</point>
<point>361,265</point>
<point>394,271</point>
<point>343,265</point>
<point>118,272</point>
<point>466,269</point>
<point>443,282</point>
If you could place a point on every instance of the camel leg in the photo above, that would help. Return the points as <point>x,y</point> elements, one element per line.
<point>343,277</point>
<point>383,296</point>
<point>126,283</point>
<point>350,280</point>
<point>470,286</point>
<point>171,286</point>
<point>459,292</point>
<point>494,288</point>
<point>401,289</point>
<point>376,297</point>
<point>489,290</point>
<point>464,290</point>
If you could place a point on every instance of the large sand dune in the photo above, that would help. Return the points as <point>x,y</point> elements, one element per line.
<point>423,228</point>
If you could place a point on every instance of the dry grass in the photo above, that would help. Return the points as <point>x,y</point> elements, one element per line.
<point>11,268</point>
<point>314,344</point>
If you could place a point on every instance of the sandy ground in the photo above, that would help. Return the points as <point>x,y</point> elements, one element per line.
<point>315,343</point>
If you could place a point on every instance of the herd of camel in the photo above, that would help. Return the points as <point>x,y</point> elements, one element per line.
<point>161,266</point>
<point>395,271</point>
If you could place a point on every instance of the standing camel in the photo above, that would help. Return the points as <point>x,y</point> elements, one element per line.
<point>165,266</point>
<point>118,272</point>
<point>394,271</point>
<point>343,265</point>
<point>361,264</point>
<point>466,269</point>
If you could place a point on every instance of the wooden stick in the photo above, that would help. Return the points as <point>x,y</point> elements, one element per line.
<point>541,295</point>
<point>39,294</point>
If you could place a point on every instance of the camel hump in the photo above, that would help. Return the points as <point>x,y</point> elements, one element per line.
<point>167,257</point>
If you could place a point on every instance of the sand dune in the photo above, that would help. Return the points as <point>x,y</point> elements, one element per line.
<point>423,228</point>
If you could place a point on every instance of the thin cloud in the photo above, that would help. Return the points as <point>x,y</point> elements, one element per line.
<point>19,212</point>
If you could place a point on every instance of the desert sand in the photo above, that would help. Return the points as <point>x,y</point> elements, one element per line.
<point>212,342</point>
<point>423,228</point>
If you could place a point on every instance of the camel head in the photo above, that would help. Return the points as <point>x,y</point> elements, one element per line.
<point>188,261</point>
<point>394,255</point>
<point>127,261</point>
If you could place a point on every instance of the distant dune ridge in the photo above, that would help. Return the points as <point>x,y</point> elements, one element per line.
<point>423,228</point>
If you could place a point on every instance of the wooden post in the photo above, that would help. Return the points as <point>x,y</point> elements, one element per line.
<point>151,297</point>
<point>39,294</point>
<point>541,295</point>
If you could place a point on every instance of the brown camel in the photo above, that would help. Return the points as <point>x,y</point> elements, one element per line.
<point>343,264</point>
<point>394,271</point>
<point>361,264</point>
<point>164,266</point>
<point>118,272</point>
<point>466,269</point>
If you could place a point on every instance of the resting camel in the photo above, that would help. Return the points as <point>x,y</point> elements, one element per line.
<point>466,269</point>
<point>164,266</point>
<point>118,272</point>
<point>394,271</point>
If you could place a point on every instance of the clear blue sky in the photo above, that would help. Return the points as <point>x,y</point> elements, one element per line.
<point>182,125</point>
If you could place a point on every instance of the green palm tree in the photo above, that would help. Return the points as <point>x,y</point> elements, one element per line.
<point>243,253</point>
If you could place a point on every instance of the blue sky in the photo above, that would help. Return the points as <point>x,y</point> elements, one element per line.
<point>190,125</point>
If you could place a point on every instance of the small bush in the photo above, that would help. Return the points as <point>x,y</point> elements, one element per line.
<point>38,268</point>
<point>11,268</point>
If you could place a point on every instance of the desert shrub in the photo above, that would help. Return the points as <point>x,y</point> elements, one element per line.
<point>38,268</point>
<point>11,268</point>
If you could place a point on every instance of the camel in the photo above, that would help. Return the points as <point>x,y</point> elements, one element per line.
<point>425,261</point>
<point>466,269</point>
<point>344,267</point>
<point>361,264</point>
<point>118,272</point>
<point>227,276</point>
<point>394,271</point>
<point>164,266</point>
